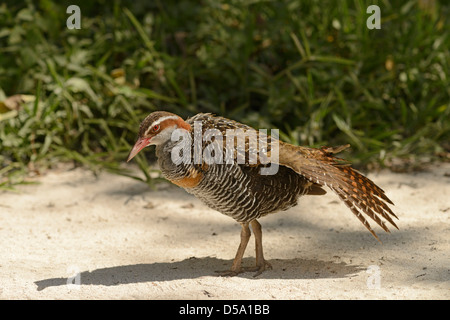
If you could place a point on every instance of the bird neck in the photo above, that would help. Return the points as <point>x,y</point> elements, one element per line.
<point>183,124</point>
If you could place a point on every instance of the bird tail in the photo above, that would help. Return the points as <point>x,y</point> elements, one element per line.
<point>361,195</point>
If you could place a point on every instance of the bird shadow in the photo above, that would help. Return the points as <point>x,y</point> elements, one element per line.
<point>193,267</point>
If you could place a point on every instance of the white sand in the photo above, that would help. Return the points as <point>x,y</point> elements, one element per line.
<point>121,240</point>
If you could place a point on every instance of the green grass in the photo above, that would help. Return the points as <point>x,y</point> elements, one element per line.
<point>309,68</point>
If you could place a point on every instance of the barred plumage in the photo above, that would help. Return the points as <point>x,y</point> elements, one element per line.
<point>238,189</point>
<point>358,192</point>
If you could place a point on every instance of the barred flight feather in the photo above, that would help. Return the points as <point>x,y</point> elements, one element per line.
<point>360,194</point>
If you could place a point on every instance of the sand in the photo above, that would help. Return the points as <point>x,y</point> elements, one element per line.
<point>79,236</point>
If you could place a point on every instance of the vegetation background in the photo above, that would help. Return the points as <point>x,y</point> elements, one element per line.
<point>310,68</point>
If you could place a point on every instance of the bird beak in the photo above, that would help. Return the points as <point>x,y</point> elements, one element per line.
<point>138,146</point>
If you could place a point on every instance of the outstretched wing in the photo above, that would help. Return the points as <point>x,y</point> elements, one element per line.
<point>358,192</point>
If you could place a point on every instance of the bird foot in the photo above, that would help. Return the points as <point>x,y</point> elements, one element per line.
<point>230,273</point>
<point>258,268</point>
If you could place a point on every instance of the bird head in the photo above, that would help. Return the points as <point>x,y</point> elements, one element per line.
<point>156,129</point>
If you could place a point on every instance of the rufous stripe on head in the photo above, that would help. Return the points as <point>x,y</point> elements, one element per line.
<point>156,122</point>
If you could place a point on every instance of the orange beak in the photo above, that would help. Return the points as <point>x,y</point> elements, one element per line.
<point>138,146</point>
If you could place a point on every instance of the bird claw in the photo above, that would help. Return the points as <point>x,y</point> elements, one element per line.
<point>229,273</point>
<point>258,268</point>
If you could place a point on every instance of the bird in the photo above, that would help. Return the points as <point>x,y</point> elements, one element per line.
<point>222,162</point>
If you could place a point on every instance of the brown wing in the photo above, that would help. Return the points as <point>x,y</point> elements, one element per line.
<point>358,192</point>
<point>239,143</point>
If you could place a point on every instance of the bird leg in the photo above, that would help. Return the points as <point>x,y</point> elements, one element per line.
<point>261,263</point>
<point>236,268</point>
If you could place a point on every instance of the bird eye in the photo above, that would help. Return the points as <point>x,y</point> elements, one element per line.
<point>155,128</point>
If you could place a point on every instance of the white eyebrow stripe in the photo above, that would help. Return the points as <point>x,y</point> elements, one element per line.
<point>159,121</point>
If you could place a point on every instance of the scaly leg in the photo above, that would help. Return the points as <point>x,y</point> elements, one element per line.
<point>261,263</point>
<point>236,268</point>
